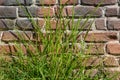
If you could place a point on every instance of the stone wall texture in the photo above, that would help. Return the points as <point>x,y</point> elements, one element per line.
<point>104,34</point>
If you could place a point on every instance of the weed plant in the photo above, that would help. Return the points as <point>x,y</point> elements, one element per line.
<point>53,54</point>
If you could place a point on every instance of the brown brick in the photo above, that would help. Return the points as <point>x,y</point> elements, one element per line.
<point>112,73</point>
<point>13,48</point>
<point>110,61</point>
<point>97,2</point>
<point>113,24</point>
<point>100,24</point>
<point>84,11</point>
<point>16,36</point>
<point>6,24</point>
<point>10,48</point>
<point>45,12</point>
<point>111,11</point>
<point>92,61</point>
<point>99,36</point>
<point>113,48</point>
<point>45,2</point>
<point>91,72</point>
<point>95,49</point>
<point>8,12</point>
<point>72,2</point>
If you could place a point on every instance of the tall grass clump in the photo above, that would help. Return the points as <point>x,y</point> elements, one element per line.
<point>53,54</point>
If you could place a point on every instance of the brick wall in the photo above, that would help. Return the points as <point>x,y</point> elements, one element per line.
<point>104,34</point>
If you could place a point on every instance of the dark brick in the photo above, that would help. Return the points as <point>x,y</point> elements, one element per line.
<point>6,24</point>
<point>111,11</point>
<point>84,11</point>
<point>25,24</point>
<point>97,2</point>
<point>14,2</point>
<point>27,11</point>
<point>81,24</point>
<point>8,12</point>
<point>100,24</point>
<point>45,2</point>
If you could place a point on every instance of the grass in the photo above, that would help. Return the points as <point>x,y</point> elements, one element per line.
<point>59,58</point>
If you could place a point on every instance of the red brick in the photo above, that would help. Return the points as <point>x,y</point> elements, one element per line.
<point>97,2</point>
<point>99,36</point>
<point>100,24</point>
<point>72,2</point>
<point>111,11</point>
<point>113,48</point>
<point>113,24</point>
<point>45,12</point>
<point>95,49</point>
<point>6,48</point>
<point>51,24</point>
<point>110,61</point>
<point>84,11</point>
<point>46,2</point>
<point>13,48</point>
<point>16,36</point>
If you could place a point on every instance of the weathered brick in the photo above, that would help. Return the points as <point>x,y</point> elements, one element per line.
<point>72,2</point>
<point>45,12</point>
<point>27,12</point>
<point>45,2</point>
<point>99,36</point>
<point>110,61</point>
<point>6,24</point>
<point>113,73</point>
<point>113,24</point>
<point>97,2</point>
<point>8,12</point>
<point>59,11</point>
<point>14,2</point>
<point>25,24</point>
<point>92,61</point>
<point>13,48</point>
<point>84,11</point>
<point>95,49</point>
<point>100,24</point>
<point>10,48</point>
<point>52,24</point>
<point>113,48</point>
<point>83,24</point>
<point>16,36</point>
<point>91,72</point>
<point>111,11</point>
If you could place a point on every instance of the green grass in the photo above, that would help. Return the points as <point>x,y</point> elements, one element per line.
<point>58,60</point>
